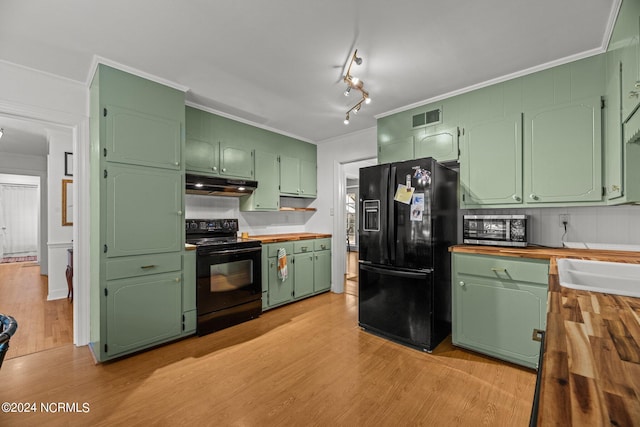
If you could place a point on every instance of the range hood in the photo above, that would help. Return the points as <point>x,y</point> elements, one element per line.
<point>218,186</point>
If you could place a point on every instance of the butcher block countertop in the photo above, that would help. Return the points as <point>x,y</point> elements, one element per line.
<point>274,238</point>
<point>591,366</point>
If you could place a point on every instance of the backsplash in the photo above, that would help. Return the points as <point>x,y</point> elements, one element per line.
<point>214,207</point>
<point>603,224</point>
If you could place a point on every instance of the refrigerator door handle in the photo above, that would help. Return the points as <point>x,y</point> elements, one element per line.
<point>391,217</point>
<point>396,273</point>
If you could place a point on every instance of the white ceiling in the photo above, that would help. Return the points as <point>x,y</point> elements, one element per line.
<point>279,63</point>
<point>23,137</point>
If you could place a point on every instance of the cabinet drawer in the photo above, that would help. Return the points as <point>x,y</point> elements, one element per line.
<point>303,246</point>
<point>322,244</point>
<point>272,249</point>
<point>503,268</point>
<point>143,265</point>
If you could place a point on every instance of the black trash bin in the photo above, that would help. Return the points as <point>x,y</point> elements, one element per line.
<point>8,326</point>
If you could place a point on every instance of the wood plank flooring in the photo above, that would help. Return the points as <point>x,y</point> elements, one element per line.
<point>304,364</point>
<point>351,279</point>
<point>42,324</point>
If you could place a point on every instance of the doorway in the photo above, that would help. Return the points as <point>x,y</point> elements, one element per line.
<point>351,219</point>
<point>19,218</point>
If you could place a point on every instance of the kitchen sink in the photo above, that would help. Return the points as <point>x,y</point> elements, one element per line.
<point>599,276</point>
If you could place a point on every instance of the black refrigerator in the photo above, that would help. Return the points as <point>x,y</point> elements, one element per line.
<point>408,220</point>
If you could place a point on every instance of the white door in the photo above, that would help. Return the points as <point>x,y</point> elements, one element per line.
<point>18,220</point>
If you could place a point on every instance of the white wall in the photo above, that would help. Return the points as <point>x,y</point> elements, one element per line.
<point>602,224</point>
<point>59,237</point>
<point>329,218</point>
<point>254,223</point>
<point>59,104</point>
<point>35,166</point>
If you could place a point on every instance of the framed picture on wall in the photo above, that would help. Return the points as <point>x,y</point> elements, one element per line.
<point>67,202</point>
<point>68,163</point>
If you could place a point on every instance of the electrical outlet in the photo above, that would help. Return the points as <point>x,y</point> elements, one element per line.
<point>564,218</point>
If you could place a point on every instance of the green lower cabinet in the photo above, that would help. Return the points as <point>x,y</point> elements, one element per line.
<point>308,266</point>
<point>141,312</point>
<point>303,272</point>
<point>322,271</point>
<point>497,304</point>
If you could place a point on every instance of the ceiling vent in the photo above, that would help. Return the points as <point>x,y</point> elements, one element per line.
<point>431,117</point>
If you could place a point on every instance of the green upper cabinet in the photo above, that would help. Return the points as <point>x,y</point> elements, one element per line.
<point>298,177</point>
<point>426,131</point>
<point>143,139</point>
<point>236,160</point>
<point>563,152</point>
<point>202,156</point>
<point>441,145</point>
<point>396,150</point>
<point>219,146</point>
<point>625,39</point>
<point>491,163</point>
<point>266,197</point>
<point>140,201</point>
<point>308,178</point>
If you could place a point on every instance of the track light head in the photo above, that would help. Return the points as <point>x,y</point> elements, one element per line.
<point>357,60</point>
<point>346,119</point>
<point>346,92</point>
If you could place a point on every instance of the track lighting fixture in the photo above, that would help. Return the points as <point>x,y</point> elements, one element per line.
<point>357,84</point>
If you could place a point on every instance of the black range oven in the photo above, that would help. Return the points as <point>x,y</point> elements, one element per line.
<point>228,271</point>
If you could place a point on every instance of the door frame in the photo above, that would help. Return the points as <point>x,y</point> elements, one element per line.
<point>78,125</point>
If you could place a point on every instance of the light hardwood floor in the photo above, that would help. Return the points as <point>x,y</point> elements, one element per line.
<point>42,324</point>
<point>305,364</point>
<point>351,279</point>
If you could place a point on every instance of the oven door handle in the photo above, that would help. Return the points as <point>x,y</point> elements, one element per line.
<point>234,251</point>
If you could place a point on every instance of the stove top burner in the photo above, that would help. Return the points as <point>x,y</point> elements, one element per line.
<point>216,235</point>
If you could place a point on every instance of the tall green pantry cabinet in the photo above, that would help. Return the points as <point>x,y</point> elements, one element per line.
<point>137,220</point>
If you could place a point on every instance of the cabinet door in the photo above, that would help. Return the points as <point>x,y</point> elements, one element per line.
<point>613,138</point>
<point>236,161</point>
<point>202,156</point>
<point>442,145</point>
<point>491,162</point>
<point>267,196</point>
<point>303,272</point>
<point>396,151</point>
<point>308,178</point>
<point>280,291</point>
<point>630,80</point>
<point>563,152</point>
<point>289,175</point>
<point>143,210</point>
<point>143,311</point>
<point>142,139</point>
<point>322,271</point>
<point>498,317</point>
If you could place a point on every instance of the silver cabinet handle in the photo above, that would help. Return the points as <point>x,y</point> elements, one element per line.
<point>498,269</point>
<point>461,283</point>
<point>516,198</point>
<point>637,85</point>
<point>146,267</point>
<point>215,168</point>
<point>224,169</point>
<point>533,196</point>
<point>177,279</point>
<point>179,212</point>
<point>177,163</point>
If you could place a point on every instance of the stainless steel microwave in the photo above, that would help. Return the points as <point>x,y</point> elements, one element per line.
<point>498,230</point>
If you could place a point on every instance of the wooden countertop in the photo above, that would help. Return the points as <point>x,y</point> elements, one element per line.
<point>273,238</point>
<point>591,366</point>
